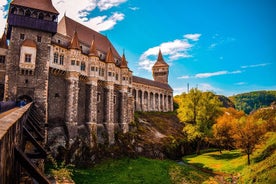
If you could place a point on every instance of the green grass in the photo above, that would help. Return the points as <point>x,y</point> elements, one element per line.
<point>227,162</point>
<point>263,169</point>
<point>141,170</point>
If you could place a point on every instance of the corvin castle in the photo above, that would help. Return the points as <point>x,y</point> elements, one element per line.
<point>73,74</point>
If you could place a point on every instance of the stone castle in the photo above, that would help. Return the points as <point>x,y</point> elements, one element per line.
<point>73,74</point>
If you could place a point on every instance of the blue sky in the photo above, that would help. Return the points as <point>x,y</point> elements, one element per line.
<point>225,46</point>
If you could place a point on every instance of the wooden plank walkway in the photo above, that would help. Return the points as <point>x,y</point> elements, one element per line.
<point>3,114</point>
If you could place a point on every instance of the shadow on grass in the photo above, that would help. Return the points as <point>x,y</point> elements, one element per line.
<point>201,167</point>
<point>225,156</point>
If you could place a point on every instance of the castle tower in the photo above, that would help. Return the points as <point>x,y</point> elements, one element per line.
<point>160,69</point>
<point>31,25</point>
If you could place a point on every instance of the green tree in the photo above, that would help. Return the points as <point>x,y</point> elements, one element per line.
<point>198,110</point>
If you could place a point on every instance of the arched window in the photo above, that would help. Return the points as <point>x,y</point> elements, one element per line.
<point>28,13</point>
<point>41,16</point>
<point>21,11</point>
<point>34,14</point>
<point>14,10</point>
<point>61,59</point>
<point>55,57</point>
<point>82,67</point>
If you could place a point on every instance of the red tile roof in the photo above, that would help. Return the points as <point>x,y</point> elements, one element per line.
<point>75,42</point>
<point>151,83</point>
<point>124,62</point>
<point>109,56</point>
<point>92,50</point>
<point>44,5</point>
<point>67,26</point>
<point>160,61</point>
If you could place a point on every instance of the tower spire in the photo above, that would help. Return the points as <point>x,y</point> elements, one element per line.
<point>92,50</point>
<point>160,60</point>
<point>75,42</point>
<point>124,62</point>
<point>109,56</point>
<point>160,69</point>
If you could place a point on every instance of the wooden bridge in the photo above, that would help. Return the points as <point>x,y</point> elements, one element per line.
<point>22,150</point>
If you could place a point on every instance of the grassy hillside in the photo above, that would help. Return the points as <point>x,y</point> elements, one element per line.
<point>253,100</point>
<point>232,164</point>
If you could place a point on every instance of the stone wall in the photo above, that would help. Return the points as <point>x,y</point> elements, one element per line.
<point>33,84</point>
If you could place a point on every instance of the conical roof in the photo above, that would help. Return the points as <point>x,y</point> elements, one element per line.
<point>109,56</point>
<point>124,62</point>
<point>44,5</point>
<point>75,42</point>
<point>92,50</point>
<point>160,61</point>
<point>3,41</point>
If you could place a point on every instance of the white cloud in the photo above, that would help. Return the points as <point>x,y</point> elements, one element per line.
<point>134,8</point>
<point>173,50</point>
<point>209,74</point>
<point>257,65</point>
<point>83,8</point>
<point>102,23</point>
<point>194,37</point>
<point>3,14</point>
<point>178,91</point>
<point>208,87</point>
<point>107,4</point>
<point>185,77</point>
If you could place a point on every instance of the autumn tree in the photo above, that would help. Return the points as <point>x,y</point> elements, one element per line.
<point>198,110</point>
<point>224,128</point>
<point>248,135</point>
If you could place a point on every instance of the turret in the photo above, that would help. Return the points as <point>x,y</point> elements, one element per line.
<point>160,69</point>
<point>33,14</point>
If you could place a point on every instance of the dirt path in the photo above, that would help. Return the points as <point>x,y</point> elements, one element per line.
<point>219,177</point>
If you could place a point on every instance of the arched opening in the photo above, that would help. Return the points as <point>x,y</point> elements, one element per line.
<point>28,13</point>
<point>25,98</point>
<point>41,16</point>
<point>146,103</point>
<point>14,10</point>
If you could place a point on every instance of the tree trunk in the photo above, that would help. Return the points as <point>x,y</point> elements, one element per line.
<point>248,158</point>
<point>198,147</point>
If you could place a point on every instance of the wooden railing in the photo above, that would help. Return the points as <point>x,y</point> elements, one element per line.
<point>17,129</point>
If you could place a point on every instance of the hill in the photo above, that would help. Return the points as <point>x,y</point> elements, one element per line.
<point>251,101</point>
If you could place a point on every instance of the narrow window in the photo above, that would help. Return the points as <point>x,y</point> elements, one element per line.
<point>28,58</point>
<point>2,59</point>
<point>22,36</point>
<point>61,59</point>
<point>98,97</point>
<point>82,67</point>
<point>55,57</point>
<point>38,38</point>
<point>72,62</point>
<point>92,68</point>
<point>78,63</point>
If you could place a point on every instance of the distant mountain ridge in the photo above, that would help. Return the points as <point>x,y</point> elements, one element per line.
<point>254,100</point>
